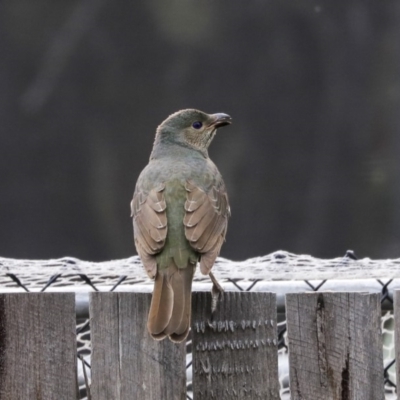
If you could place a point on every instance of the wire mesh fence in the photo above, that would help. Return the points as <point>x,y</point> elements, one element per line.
<point>279,272</point>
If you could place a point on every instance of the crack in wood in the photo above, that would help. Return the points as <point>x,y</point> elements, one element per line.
<point>345,379</point>
<point>321,340</point>
<point>298,390</point>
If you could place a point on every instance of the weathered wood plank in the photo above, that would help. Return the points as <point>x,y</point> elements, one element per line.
<point>235,357</point>
<point>396,300</point>
<point>335,346</point>
<point>38,346</point>
<point>126,362</point>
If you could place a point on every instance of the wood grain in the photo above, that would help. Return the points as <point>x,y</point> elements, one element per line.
<point>37,346</point>
<point>235,355</point>
<point>335,346</point>
<point>396,299</point>
<point>126,362</point>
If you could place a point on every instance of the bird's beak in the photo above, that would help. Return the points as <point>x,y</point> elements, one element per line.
<point>220,119</point>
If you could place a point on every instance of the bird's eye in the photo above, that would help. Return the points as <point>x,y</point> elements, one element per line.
<point>197,125</point>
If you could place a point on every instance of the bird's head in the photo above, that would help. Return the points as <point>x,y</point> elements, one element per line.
<point>191,128</point>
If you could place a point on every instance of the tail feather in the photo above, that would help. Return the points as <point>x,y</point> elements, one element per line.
<point>179,300</point>
<point>171,303</point>
<point>161,307</point>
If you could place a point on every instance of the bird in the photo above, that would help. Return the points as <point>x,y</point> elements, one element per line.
<point>180,212</point>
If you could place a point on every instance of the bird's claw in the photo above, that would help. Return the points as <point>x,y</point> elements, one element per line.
<point>216,292</point>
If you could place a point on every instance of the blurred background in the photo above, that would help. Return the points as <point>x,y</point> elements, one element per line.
<point>312,161</point>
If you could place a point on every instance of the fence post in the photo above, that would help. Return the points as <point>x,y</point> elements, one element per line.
<point>335,346</point>
<point>126,362</point>
<point>235,356</point>
<point>396,306</point>
<point>38,346</point>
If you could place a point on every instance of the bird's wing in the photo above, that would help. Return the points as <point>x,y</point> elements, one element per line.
<point>149,225</point>
<point>206,222</point>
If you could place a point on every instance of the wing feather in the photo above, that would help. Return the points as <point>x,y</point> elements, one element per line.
<point>206,221</point>
<point>149,225</point>
<point>193,216</point>
<point>196,230</point>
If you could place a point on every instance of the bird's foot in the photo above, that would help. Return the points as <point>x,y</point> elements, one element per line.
<point>216,292</point>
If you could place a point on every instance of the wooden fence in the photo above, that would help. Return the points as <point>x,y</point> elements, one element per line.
<point>335,347</point>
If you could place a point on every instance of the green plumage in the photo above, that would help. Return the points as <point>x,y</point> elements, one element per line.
<point>176,245</point>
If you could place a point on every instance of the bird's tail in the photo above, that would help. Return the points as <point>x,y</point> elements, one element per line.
<point>171,303</point>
